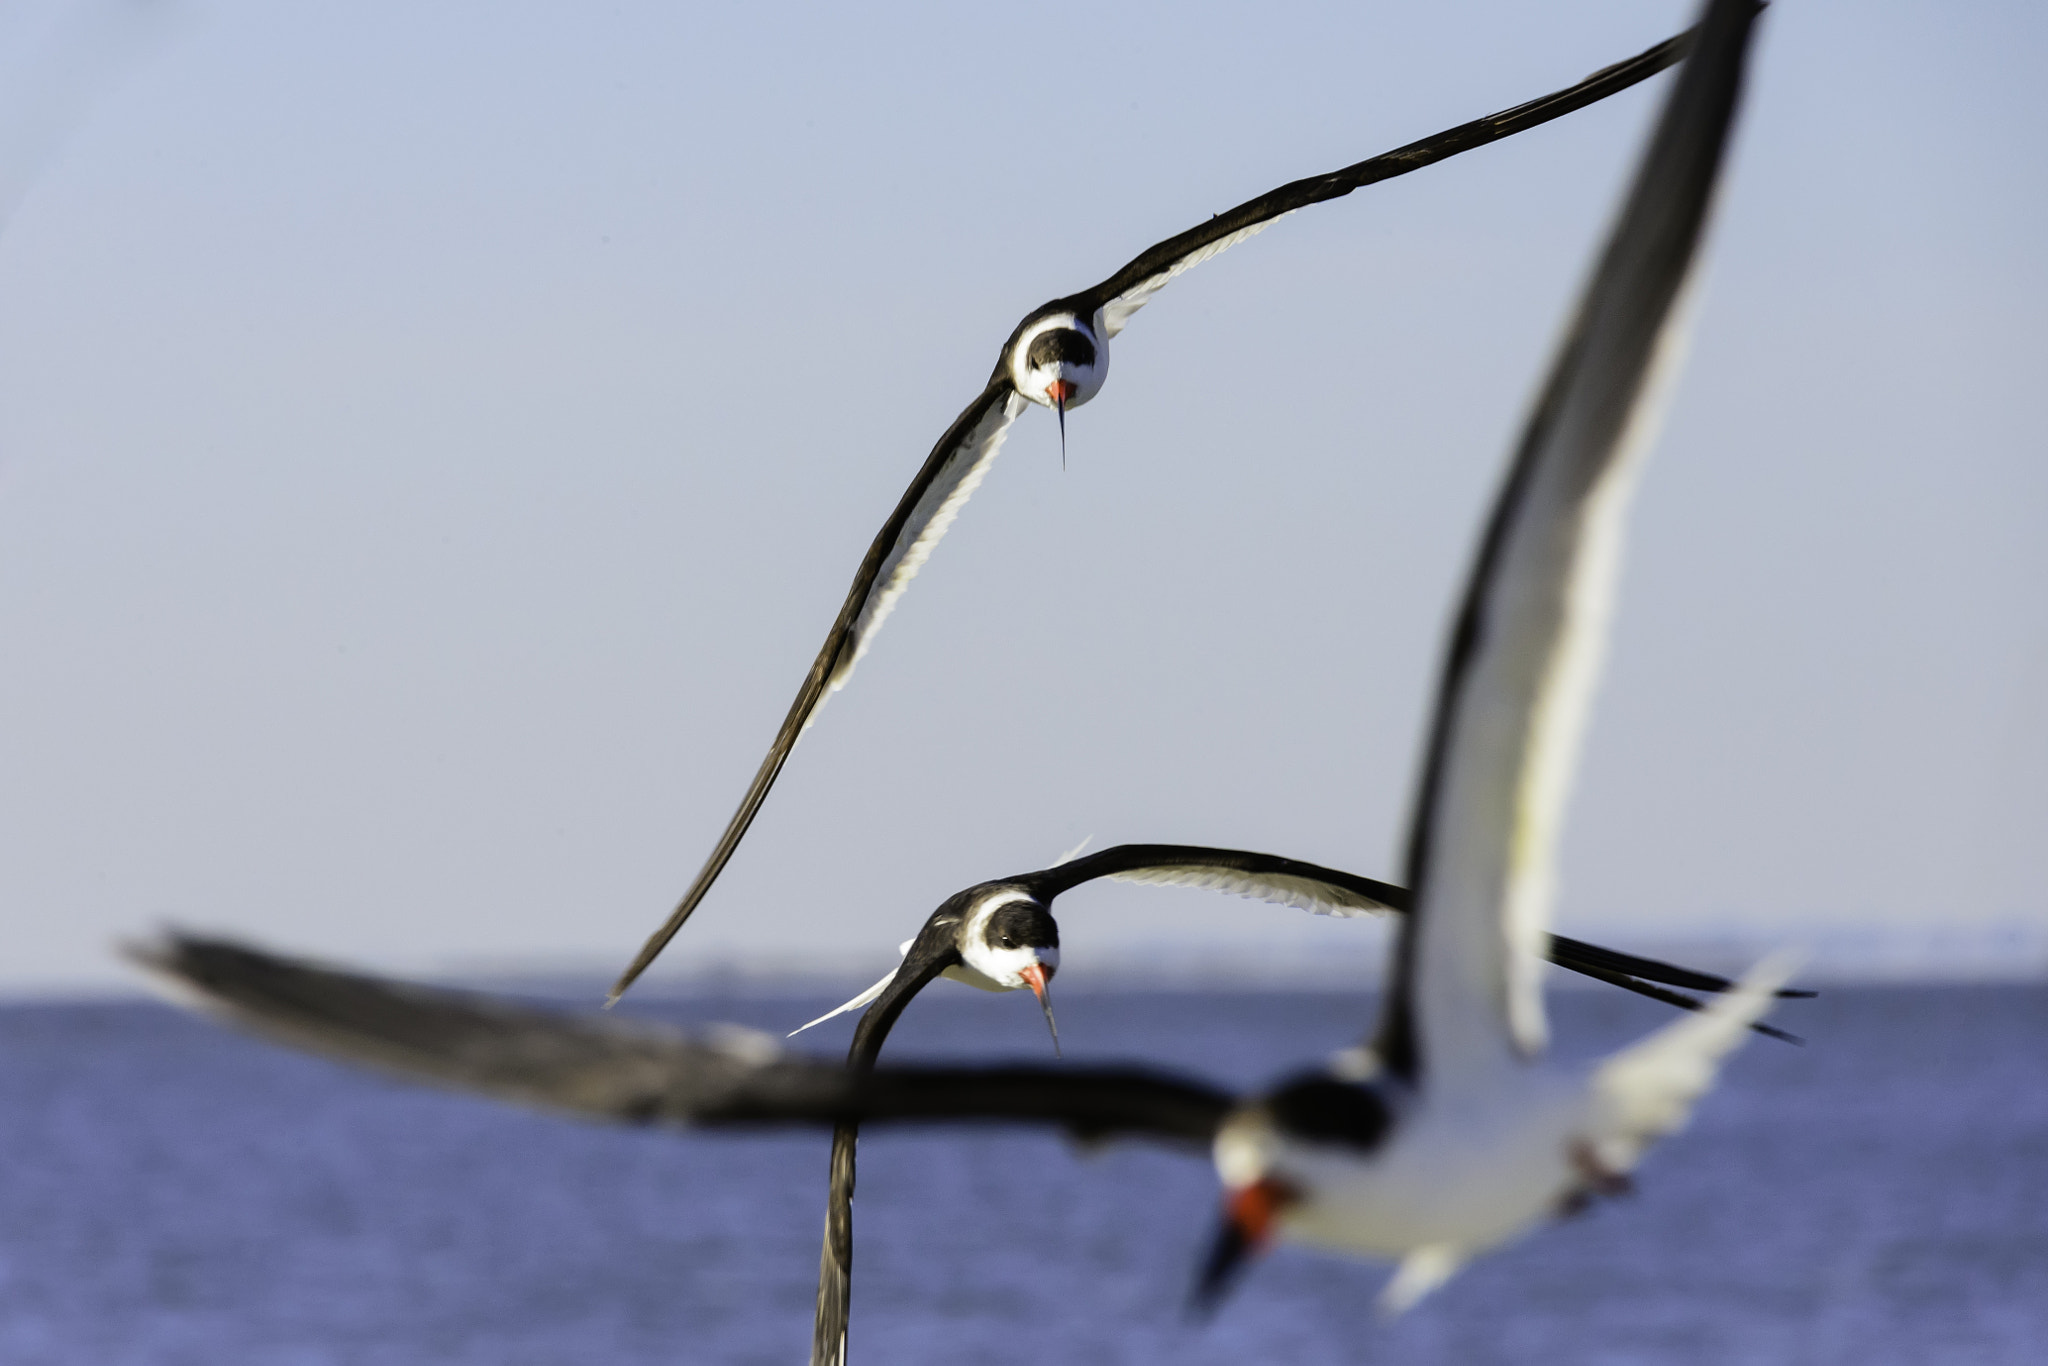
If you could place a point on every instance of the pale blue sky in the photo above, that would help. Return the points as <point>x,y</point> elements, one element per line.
<point>433,440</point>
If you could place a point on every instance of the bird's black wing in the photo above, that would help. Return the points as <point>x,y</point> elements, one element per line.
<point>1125,292</point>
<point>1332,891</point>
<point>1464,998</point>
<point>1595,961</point>
<point>1235,872</point>
<point>931,953</point>
<point>935,949</point>
<point>611,1068</point>
<point>950,475</point>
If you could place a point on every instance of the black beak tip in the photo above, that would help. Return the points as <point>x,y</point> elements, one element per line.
<point>1219,1271</point>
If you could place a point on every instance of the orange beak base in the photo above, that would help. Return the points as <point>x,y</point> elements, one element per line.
<point>1248,1217</point>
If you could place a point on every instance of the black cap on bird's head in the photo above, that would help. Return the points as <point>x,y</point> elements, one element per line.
<point>1021,925</point>
<point>1019,945</point>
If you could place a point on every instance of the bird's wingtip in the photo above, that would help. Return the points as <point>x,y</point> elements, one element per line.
<point>1420,1272</point>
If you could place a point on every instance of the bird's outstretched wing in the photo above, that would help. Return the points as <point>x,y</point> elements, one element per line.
<point>611,1068</point>
<point>1648,1089</point>
<point>1334,892</point>
<point>1127,291</point>
<point>956,465</point>
<point>1236,872</point>
<point>1526,643</point>
<point>950,475</point>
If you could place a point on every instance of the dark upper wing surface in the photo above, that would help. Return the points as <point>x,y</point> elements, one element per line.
<point>617,1069</point>
<point>1237,872</point>
<point>1125,292</point>
<point>950,475</point>
<point>1332,891</point>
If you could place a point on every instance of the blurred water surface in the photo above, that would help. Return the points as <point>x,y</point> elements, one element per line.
<point>174,1194</point>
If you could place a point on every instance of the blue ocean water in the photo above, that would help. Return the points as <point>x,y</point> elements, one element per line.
<point>172,1194</point>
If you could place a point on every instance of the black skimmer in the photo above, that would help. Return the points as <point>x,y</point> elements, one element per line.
<point>1058,357</point>
<point>1449,1132</point>
<point>1001,936</point>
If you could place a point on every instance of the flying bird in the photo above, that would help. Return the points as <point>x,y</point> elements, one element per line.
<point>1001,936</point>
<point>1446,1134</point>
<point>1058,357</point>
<point>1450,1133</point>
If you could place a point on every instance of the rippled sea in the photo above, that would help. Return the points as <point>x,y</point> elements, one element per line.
<point>174,1194</point>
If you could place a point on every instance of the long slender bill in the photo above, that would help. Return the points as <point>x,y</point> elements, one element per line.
<point>1248,1218</point>
<point>1034,977</point>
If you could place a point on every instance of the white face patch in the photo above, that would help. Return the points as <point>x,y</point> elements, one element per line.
<point>1002,968</point>
<point>1005,967</point>
<point>1033,381</point>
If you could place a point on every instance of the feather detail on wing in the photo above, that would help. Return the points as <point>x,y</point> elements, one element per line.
<point>1238,872</point>
<point>598,1065</point>
<point>1127,291</point>
<point>1118,310</point>
<point>624,1070</point>
<point>945,482</point>
<point>1647,1090</point>
<point>1527,642</point>
<point>965,466</point>
<point>1278,889</point>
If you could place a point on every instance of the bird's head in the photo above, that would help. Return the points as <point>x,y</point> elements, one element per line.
<point>1015,943</point>
<point>1060,361</point>
<point>1269,1154</point>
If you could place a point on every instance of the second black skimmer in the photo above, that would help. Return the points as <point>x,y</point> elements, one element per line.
<point>1058,357</point>
<point>1001,935</point>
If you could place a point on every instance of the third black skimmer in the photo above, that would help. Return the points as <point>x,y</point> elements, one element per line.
<point>1058,357</point>
<point>1449,1132</point>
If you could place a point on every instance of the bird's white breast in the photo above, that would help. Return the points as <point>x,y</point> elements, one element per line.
<point>1465,1175</point>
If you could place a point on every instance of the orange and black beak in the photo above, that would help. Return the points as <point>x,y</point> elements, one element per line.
<point>1249,1214</point>
<point>1036,977</point>
<point>1059,391</point>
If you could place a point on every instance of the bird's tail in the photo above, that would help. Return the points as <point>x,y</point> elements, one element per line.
<point>1647,1090</point>
<point>855,1004</point>
<point>1072,853</point>
<point>1420,1272</point>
